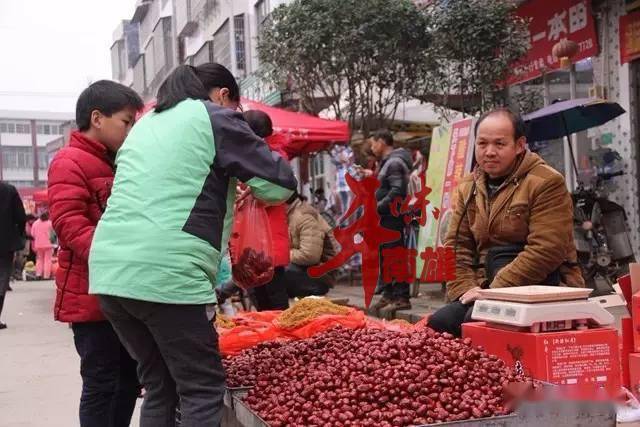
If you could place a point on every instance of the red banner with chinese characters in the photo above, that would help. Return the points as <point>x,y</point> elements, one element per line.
<point>552,21</point>
<point>629,37</point>
<point>458,164</point>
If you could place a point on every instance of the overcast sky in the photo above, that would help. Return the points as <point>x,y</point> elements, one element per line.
<point>50,50</point>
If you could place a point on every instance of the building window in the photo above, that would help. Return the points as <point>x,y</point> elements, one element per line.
<point>47,129</point>
<point>262,12</point>
<point>221,48</point>
<point>11,128</point>
<point>43,159</point>
<point>39,129</point>
<point>17,157</point>
<point>23,128</point>
<point>238,29</point>
<point>3,128</point>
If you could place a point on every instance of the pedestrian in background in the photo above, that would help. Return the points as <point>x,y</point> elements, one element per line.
<point>393,173</point>
<point>12,237</point>
<point>43,244</point>
<point>80,179</point>
<point>273,295</point>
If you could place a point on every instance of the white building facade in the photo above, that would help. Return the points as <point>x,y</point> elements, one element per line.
<point>24,136</point>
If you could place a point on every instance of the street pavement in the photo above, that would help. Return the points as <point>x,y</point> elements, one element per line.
<point>39,368</point>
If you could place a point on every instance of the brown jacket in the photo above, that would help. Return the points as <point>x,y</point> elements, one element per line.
<point>307,230</point>
<point>532,207</point>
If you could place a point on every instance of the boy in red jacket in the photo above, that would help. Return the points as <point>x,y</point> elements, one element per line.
<point>80,179</point>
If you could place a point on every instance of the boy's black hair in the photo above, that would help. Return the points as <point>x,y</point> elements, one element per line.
<point>44,216</point>
<point>385,135</point>
<point>519,127</point>
<point>195,82</point>
<point>106,96</point>
<point>259,122</point>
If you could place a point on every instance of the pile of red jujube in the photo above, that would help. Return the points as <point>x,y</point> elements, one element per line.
<point>252,269</point>
<point>367,377</point>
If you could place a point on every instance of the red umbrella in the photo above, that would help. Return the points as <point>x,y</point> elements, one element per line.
<point>303,133</point>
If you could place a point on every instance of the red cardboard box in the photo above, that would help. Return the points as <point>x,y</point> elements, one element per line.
<point>635,315</point>
<point>581,360</point>
<point>625,287</point>
<point>634,373</point>
<point>626,348</point>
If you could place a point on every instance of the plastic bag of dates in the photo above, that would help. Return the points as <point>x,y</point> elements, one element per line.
<point>250,245</point>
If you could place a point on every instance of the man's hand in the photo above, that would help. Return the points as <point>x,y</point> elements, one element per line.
<point>471,295</point>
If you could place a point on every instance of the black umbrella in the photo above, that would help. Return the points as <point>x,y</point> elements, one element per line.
<point>567,117</point>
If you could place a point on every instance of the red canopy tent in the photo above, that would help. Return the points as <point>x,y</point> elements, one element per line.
<point>303,133</point>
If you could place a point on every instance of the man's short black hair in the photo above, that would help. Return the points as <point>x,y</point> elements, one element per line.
<point>385,135</point>
<point>106,96</point>
<point>519,127</point>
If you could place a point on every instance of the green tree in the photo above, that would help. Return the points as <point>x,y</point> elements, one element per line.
<point>475,43</point>
<point>368,53</point>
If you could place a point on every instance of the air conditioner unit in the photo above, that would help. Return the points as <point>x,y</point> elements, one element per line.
<point>597,91</point>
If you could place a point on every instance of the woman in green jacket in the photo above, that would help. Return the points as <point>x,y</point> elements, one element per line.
<point>155,252</point>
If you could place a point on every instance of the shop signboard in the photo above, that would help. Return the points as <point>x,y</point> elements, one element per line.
<point>549,23</point>
<point>459,160</point>
<point>438,156</point>
<point>629,37</point>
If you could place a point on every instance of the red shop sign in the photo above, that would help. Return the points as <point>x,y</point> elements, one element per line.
<point>629,37</point>
<point>552,21</point>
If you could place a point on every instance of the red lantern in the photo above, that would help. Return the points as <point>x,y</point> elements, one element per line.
<point>564,50</point>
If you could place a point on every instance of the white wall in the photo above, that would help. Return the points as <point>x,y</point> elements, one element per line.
<point>620,86</point>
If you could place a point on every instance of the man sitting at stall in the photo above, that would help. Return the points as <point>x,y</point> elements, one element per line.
<point>512,223</point>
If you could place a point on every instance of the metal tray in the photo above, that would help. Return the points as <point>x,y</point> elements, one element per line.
<point>231,392</point>
<point>556,413</point>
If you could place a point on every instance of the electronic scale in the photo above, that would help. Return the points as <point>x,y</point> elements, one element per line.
<point>540,308</point>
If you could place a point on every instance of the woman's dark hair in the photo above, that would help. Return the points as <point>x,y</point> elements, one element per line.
<point>259,122</point>
<point>519,127</point>
<point>44,216</point>
<point>195,82</point>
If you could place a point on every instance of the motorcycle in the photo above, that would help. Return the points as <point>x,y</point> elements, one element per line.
<point>601,236</point>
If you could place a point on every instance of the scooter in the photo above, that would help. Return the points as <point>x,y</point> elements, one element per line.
<point>601,236</point>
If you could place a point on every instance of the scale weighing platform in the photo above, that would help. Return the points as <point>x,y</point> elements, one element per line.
<point>540,308</point>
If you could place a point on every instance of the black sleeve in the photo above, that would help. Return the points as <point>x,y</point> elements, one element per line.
<point>242,153</point>
<point>396,175</point>
<point>19,216</point>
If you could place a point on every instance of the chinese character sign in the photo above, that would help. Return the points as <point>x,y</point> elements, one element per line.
<point>550,22</point>
<point>458,164</point>
<point>365,236</point>
<point>368,227</point>
<point>629,37</point>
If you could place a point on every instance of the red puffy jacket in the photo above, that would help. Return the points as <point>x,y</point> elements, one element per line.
<point>80,180</point>
<point>278,214</point>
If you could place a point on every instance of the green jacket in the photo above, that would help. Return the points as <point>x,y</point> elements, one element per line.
<point>170,212</point>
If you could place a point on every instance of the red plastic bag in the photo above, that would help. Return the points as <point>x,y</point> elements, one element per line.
<point>233,341</point>
<point>355,319</point>
<point>250,246</point>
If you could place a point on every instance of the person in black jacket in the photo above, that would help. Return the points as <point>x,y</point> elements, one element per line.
<point>12,238</point>
<point>393,174</point>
